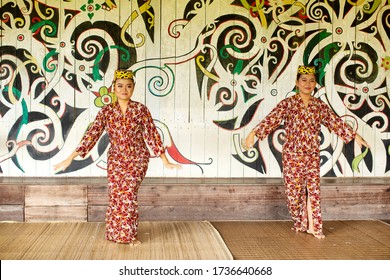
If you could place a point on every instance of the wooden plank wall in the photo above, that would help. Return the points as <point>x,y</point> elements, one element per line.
<point>85,199</point>
<point>201,201</point>
<point>55,203</point>
<point>12,202</point>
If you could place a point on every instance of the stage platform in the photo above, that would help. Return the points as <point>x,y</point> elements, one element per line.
<point>32,199</point>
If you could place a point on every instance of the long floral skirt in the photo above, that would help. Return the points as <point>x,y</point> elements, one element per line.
<point>301,178</point>
<point>122,211</point>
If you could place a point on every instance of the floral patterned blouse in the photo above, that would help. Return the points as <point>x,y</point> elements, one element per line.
<point>303,125</point>
<point>128,133</point>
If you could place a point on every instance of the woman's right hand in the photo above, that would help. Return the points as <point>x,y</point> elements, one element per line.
<point>249,141</point>
<point>63,165</point>
<point>66,163</point>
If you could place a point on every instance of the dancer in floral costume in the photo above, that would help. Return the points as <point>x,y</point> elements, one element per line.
<point>303,116</point>
<point>130,128</point>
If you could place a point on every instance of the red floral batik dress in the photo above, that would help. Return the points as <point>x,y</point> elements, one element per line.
<point>128,158</point>
<point>301,152</point>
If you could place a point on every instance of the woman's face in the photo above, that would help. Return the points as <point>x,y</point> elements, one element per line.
<point>306,84</point>
<point>123,89</point>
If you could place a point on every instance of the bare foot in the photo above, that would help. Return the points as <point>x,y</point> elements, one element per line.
<point>297,230</point>
<point>318,235</point>
<point>135,242</point>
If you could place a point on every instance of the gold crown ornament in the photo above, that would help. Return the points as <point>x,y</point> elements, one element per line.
<point>123,74</point>
<point>302,69</point>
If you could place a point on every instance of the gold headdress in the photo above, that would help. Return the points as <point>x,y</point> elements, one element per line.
<point>302,69</point>
<point>123,74</point>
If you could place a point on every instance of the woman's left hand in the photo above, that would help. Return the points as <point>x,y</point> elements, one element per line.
<point>361,142</point>
<point>168,164</point>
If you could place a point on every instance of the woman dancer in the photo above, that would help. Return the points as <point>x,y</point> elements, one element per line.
<point>303,116</point>
<point>130,127</point>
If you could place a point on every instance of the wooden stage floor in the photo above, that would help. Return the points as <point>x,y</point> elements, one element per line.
<point>243,240</point>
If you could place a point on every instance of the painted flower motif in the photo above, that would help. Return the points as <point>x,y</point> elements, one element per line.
<point>90,7</point>
<point>386,63</point>
<point>104,98</point>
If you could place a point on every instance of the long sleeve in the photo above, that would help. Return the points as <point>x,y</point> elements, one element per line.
<point>150,133</point>
<point>92,134</point>
<point>271,121</point>
<point>336,124</point>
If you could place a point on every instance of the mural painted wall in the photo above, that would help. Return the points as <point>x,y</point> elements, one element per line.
<point>209,71</point>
